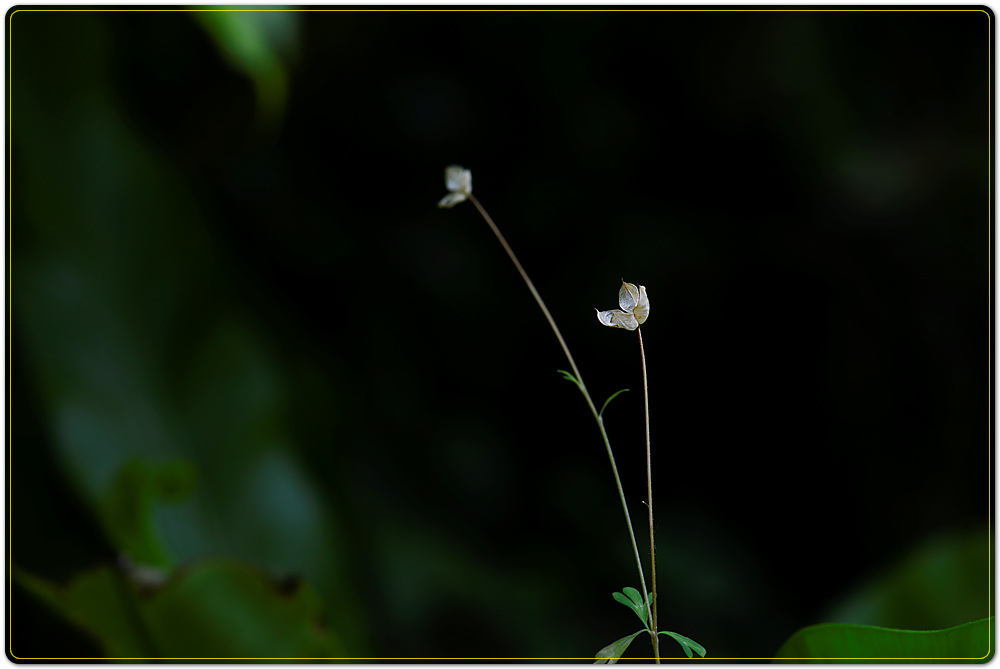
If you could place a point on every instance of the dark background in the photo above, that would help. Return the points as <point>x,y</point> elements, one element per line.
<point>225,251</point>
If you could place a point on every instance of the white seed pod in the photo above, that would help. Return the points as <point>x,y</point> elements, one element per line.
<point>458,181</point>
<point>634,308</point>
<point>641,310</point>
<point>616,318</point>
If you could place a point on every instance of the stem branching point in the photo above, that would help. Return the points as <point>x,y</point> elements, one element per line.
<point>579,382</point>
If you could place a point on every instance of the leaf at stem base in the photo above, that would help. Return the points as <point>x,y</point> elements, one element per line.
<point>611,653</point>
<point>634,602</point>
<point>687,644</point>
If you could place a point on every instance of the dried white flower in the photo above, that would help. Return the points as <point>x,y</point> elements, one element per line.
<point>458,181</point>
<point>634,308</point>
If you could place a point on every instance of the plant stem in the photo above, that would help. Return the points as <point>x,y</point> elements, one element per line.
<point>590,403</point>
<point>649,490</point>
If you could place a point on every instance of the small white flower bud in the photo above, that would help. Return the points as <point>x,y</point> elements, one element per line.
<point>458,181</point>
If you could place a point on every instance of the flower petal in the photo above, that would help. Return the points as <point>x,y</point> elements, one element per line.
<point>451,199</point>
<point>458,180</point>
<point>617,319</point>
<point>641,310</point>
<point>628,296</point>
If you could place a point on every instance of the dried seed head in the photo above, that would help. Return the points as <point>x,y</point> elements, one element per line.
<point>615,318</point>
<point>634,308</point>
<point>458,181</point>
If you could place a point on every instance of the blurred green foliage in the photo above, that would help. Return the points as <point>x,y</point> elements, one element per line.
<point>939,583</point>
<point>128,510</point>
<point>926,607</point>
<point>257,43</point>
<point>218,609</point>
<point>971,643</point>
<point>135,363</point>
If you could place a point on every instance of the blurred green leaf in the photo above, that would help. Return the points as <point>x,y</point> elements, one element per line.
<point>175,481</point>
<point>136,356</point>
<point>942,582</point>
<point>687,644</point>
<point>836,642</point>
<point>252,40</point>
<point>612,652</point>
<point>94,602</point>
<point>127,511</point>
<point>212,610</point>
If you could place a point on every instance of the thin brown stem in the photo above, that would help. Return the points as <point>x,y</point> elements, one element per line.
<point>531,287</point>
<point>586,396</point>
<point>649,504</point>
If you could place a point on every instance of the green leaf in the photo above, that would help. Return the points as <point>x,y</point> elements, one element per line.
<point>941,582</point>
<point>837,642</point>
<point>619,597</point>
<point>569,377</point>
<point>127,510</point>
<point>253,43</point>
<point>212,609</point>
<point>601,412</point>
<point>93,601</point>
<point>634,595</point>
<point>639,608</point>
<point>687,644</point>
<point>612,652</point>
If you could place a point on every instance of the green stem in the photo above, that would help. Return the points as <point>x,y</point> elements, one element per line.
<point>583,389</point>
<point>649,490</point>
